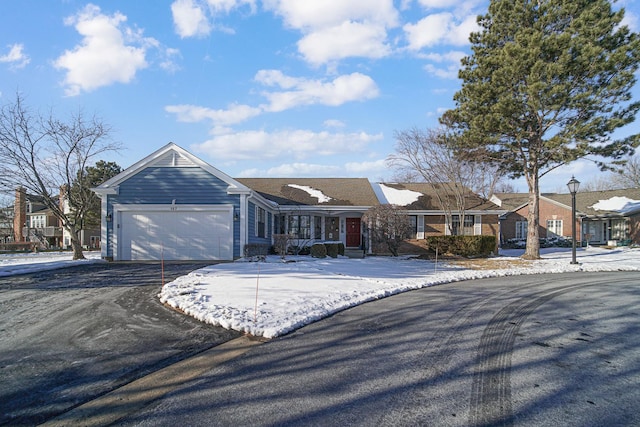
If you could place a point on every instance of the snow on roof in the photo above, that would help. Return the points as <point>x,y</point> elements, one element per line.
<point>617,204</point>
<point>322,198</point>
<point>399,197</point>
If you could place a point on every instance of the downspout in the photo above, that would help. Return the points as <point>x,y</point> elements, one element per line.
<point>244,237</point>
<point>104,234</point>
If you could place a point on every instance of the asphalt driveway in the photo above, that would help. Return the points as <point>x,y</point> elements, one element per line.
<point>71,335</point>
<point>541,350</point>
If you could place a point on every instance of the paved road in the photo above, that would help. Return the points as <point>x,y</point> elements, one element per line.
<point>543,350</point>
<point>70,335</point>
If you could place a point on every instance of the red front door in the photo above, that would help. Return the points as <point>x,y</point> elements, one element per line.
<point>353,232</point>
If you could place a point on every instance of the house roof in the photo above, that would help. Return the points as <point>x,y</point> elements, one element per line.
<point>424,196</point>
<point>511,201</point>
<point>314,191</point>
<point>598,203</point>
<point>590,203</point>
<point>169,155</point>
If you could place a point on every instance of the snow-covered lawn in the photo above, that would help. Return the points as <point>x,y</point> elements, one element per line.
<point>274,297</point>
<point>32,262</point>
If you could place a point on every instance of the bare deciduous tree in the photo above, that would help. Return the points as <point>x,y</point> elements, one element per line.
<point>629,177</point>
<point>428,156</point>
<point>44,154</point>
<point>388,225</point>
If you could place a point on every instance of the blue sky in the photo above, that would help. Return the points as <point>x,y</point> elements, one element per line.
<point>271,88</point>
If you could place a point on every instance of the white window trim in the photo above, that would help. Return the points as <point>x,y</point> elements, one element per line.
<point>477,226</point>
<point>553,233</point>
<point>420,231</point>
<point>523,226</point>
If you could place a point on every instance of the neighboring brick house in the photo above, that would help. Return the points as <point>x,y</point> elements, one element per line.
<point>6,224</point>
<point>602,217</point>
<point>34,222</point>
<point>430,219</point>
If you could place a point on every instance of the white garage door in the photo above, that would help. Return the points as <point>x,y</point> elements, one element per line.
<point>176,235</point>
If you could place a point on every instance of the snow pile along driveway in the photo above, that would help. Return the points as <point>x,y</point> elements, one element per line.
<point>32,262</point>
<point>273,298</point>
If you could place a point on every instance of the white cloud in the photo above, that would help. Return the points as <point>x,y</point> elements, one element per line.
<point>348,39</point>
<point>438,4</point>
<point>303,169</point>
<point>449,72</point>
<point>228,5</point>
<point>461,7</point>
<point>366,168</point>
<point>630,20</point>
<point>300,91</point>
<point>299,144</point>
<point>167,62</point>
<point>450,64</point>
<point>460,33</point>
<point>337,29</point>
<point>334,123</point>
<point>189,19</point>
<point>293,170</point>
<point>234,114</point>
<point>277,78</point>
<point>192,18</point>
<point>16,58</point>
<point>440,28</point>
<point>314,15</point>
<point>451,56</point>
<point>103,57</point>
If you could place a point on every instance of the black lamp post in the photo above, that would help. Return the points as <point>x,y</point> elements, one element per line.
<point>573,185</point>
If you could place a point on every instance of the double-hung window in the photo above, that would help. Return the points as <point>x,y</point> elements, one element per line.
<point>261,222</point>
<point>300,226</point>
<point>521,229</point>
<point>618,229</point>
<point>317,227</point>
<point>554,227</point>
<point>467,228</point>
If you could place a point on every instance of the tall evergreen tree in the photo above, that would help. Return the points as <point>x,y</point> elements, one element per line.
<point>83,202</point>
<point>548,83</point>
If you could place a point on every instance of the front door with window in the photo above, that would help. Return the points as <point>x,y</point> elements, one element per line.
<point>353,232</point>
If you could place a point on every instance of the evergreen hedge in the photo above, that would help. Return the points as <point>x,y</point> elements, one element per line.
<point>466,246</point>
<point>319,250</point>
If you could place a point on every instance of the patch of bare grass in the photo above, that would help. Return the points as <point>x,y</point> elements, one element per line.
<point>490,263</point>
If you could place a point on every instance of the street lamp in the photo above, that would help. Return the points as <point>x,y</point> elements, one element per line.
<point>573,185</point>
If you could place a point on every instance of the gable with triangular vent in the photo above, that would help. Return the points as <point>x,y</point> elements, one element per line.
<point>173,159</point>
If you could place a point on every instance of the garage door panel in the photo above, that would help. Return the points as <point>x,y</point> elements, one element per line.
<point>176,235</point>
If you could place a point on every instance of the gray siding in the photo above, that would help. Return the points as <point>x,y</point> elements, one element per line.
<point>252,238</point>
<point>163,185</point>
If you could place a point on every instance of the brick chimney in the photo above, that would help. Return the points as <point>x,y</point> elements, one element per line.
<point>19,214</point>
